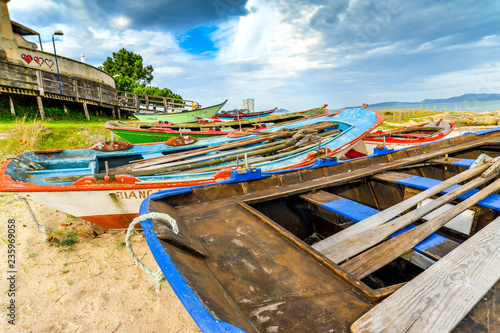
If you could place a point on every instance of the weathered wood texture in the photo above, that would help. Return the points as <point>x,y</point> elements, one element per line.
<point>21,80</point>
<point>438,299</point>
<point>365,234</point>
<point>371,260</point>
<point>138,102</point>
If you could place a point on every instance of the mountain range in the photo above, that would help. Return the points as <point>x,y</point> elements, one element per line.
<point>457,99</point>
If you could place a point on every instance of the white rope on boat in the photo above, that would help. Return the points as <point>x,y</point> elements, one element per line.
<point>158,275</point>
<point>40,227</point>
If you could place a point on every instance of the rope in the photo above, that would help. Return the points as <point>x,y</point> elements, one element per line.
<point>40,227</point>
<point>158,275</point>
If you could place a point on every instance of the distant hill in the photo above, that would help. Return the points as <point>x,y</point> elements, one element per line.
<point>465,98</point>
<point>457,99</point>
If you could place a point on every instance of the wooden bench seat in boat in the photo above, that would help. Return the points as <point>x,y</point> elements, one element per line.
<point>434,247</point>
<point>492,201</point>
<point>439,298</point>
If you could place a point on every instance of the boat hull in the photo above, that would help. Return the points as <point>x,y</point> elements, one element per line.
<point>137,136</point>
<point>407,136</point>
<point>67,180</point>
<point>245,116</point>
<point>180,117</point>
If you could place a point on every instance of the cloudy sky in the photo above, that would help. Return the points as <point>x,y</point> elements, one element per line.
<point>294,54</point>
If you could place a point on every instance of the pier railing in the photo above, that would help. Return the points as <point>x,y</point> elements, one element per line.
<point>16,79</point>
<point>139,102</point>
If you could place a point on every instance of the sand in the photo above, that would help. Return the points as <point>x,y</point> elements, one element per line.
<point>92,287</point>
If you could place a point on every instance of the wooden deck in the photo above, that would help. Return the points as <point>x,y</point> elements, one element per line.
<point>18,81</point>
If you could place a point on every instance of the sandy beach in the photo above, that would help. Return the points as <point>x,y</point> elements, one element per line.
<point>94,286</point>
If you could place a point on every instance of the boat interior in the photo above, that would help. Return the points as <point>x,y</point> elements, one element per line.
<point>317,249</point>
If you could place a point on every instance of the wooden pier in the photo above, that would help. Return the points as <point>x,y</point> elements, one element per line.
<point>22,81</point>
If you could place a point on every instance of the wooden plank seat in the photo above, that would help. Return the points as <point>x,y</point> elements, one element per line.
<point>433,247</point>
<point>462,162</point>
<point>439,298</point>
<point>492,201</point>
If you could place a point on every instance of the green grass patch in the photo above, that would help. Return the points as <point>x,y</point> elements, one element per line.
<point>25,134</point>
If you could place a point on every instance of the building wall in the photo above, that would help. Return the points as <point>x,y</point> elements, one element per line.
<point>46,61</point>
<point>11,51</point>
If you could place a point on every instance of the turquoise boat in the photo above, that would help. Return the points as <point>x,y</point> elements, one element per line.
<point>184,116</point>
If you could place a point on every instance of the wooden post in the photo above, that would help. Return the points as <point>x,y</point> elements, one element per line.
<point>86,110</point>
<point>136,97</point>
<point>165,104</point>
<point>113,112</point>
<point>65,108</point>
<point>39,79</point>
<point>12,110</point>
<point>119,115</point>
<point>100,94</point>
<point>40,107</point>
<point>75,88</point>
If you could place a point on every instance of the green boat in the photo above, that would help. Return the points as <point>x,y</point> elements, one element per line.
<point>144,133</point>
<point>182,116</point>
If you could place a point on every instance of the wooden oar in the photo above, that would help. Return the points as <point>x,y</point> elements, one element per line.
<point>206,157</point>
<point>282,133</point>
<point>257,159</point>
<point>439,298</point>
<point>345,243</point>
<point>200,151</point>
<point>368,238</point>
<point>380,255</point>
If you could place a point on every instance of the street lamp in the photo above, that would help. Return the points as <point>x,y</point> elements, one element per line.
<point>57,33</point>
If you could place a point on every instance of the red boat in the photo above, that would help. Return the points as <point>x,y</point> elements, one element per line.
<point>243,114</point>
<point>406,136</point>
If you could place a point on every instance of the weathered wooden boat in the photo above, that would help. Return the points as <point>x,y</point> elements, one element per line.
<point>212,120</point>
<point>343,246</point>
<point>106,187</point>
<point>408,136</point>
<point>243,114</point>
<point>136,133</point>
<point>140,132</point>
<point>178,116</point>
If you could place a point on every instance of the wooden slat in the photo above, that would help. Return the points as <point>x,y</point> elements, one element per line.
<point>378,256</point>
<point>372,230</point>
<point>433,247</point>
<point>439,298</point>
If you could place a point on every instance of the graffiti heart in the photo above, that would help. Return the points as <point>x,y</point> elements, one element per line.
<point>49,63</point>
<point>39,61</point>
<point>26,58</point>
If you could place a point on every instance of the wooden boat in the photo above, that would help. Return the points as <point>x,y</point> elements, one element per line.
<point>136,133</point>
<point>212,120</point>
<point>184,116</point>
<point>243,114</point>
<point>408,136</point>
<point>140,132</point>
<point>105,188</point>
<point>334,249</point>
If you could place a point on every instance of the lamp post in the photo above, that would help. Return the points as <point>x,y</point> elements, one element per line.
<point>57,33</point>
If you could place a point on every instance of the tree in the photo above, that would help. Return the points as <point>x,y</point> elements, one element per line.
<point>128,64</point>
<point>155,91</point>
<point>131,75</point>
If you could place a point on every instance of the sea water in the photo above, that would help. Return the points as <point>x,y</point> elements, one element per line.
<point>469,106</point>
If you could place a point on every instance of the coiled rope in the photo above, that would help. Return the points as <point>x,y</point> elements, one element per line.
<point>158,275</point>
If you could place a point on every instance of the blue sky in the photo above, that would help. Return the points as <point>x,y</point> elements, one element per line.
<point>294,54</point>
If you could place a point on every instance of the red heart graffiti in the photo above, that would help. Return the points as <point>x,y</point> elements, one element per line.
<point>39,61</point>
<point>26,58</point>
